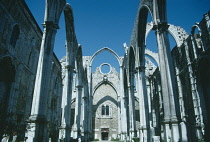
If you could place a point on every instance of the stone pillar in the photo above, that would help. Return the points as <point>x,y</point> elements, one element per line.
<point>119,116</point>
<point>161,111</point>
<point>90,118</point>
<point>65,128</point>
<point>84,115</point>
<point>207,19</point>
<point>193,46</point>
<point>90,102</point>
<point>123,116</point>
<point>168,83</point>
<point>182,107</point>
<point>195,96</point>
<point>14,91</point>
<point>29,97</point>
<point>143,104</point>
<point>37,130</point>
<point>153,99</point>
<point>15,86</point>
<point>132,114</point>
<point>77,117</point>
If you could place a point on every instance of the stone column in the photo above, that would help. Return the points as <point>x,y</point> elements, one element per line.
<point>155,119</point>
<point>90,102</point>
<point>194,47</point>
<point>77,117</point>
<point>119,116</point>
<point>207,19</point>
<point>195,96</point>
<point>29,97</point>
<point>14,91</point>
<point>132,113</point>
<point>123,116</point>
<point>37,130</point>
<point>84,115</point>
<point>168,83</point>
<point>65,128</point>
<point>143,104</point>
<point>182,107</point>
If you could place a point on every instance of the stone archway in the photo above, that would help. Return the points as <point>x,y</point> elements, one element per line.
<point>7,76</point>
<point>157,9</point>
<point>105,49</point>
<point>37,125</point>
<point>105,112</point>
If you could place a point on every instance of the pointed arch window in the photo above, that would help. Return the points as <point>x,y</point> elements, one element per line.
<point>15,35</point>
<point>105,110</point>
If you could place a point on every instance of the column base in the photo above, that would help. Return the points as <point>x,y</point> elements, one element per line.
<point>123,136</point>
<point>133,134</point>
<point>156,139</point>
<point>143,134</point>
<point>171,131</point>
<point>75,132</point>
<point>183,131</point>
<point>37,129</point>
<point>36,132</point>
<point>65,133</point>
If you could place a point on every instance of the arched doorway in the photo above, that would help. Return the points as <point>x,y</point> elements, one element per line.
<point>7,76</point>
<point>105,112</point>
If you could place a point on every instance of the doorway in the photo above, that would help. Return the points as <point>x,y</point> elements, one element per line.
<point>105,134</point>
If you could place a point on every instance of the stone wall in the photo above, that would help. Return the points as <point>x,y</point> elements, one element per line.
<point>20,41</point>
<point>105,124</point>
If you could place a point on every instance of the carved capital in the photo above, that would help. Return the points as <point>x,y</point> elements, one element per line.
<point>206,17</point>
<point>69,67</point>
<point>79,87</point>
<point>50,25</point>
<point>125,97</point>
<point>161,27</point>
<point>131,86</point>
<point>140,68</point>
<point>84,97</point>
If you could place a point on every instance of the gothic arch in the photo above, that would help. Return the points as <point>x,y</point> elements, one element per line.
<point>8,66</point>
<point>15,35</point>
<point>178,33</point>
<point>69,23</point>
<point>141,29</point>
<point>7,77</point>
<point>105,49</point>
<point>53,10</point>
<point>194,27</point>
<point>139,32</point>
<point>102,100</point>
<point>131,60</point>
<point>157,9</point>
<point>125,82</point>
<point>152,55</point>
<point>131,64</point>
<point>101,83</point>
<point>79,66</point>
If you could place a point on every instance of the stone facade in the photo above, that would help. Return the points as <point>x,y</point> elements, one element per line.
<point>160,96</point>
<point>105,104</point>
<point>19,52</point>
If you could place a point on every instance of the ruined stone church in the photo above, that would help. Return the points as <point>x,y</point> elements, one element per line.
<point>155,97</point>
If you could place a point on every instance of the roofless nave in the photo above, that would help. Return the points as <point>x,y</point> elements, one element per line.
<point>44,99</point>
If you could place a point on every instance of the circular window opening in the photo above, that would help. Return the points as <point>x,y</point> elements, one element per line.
<point>105,68</point>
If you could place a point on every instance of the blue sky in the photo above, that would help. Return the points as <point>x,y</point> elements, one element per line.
<point>109,23</point>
